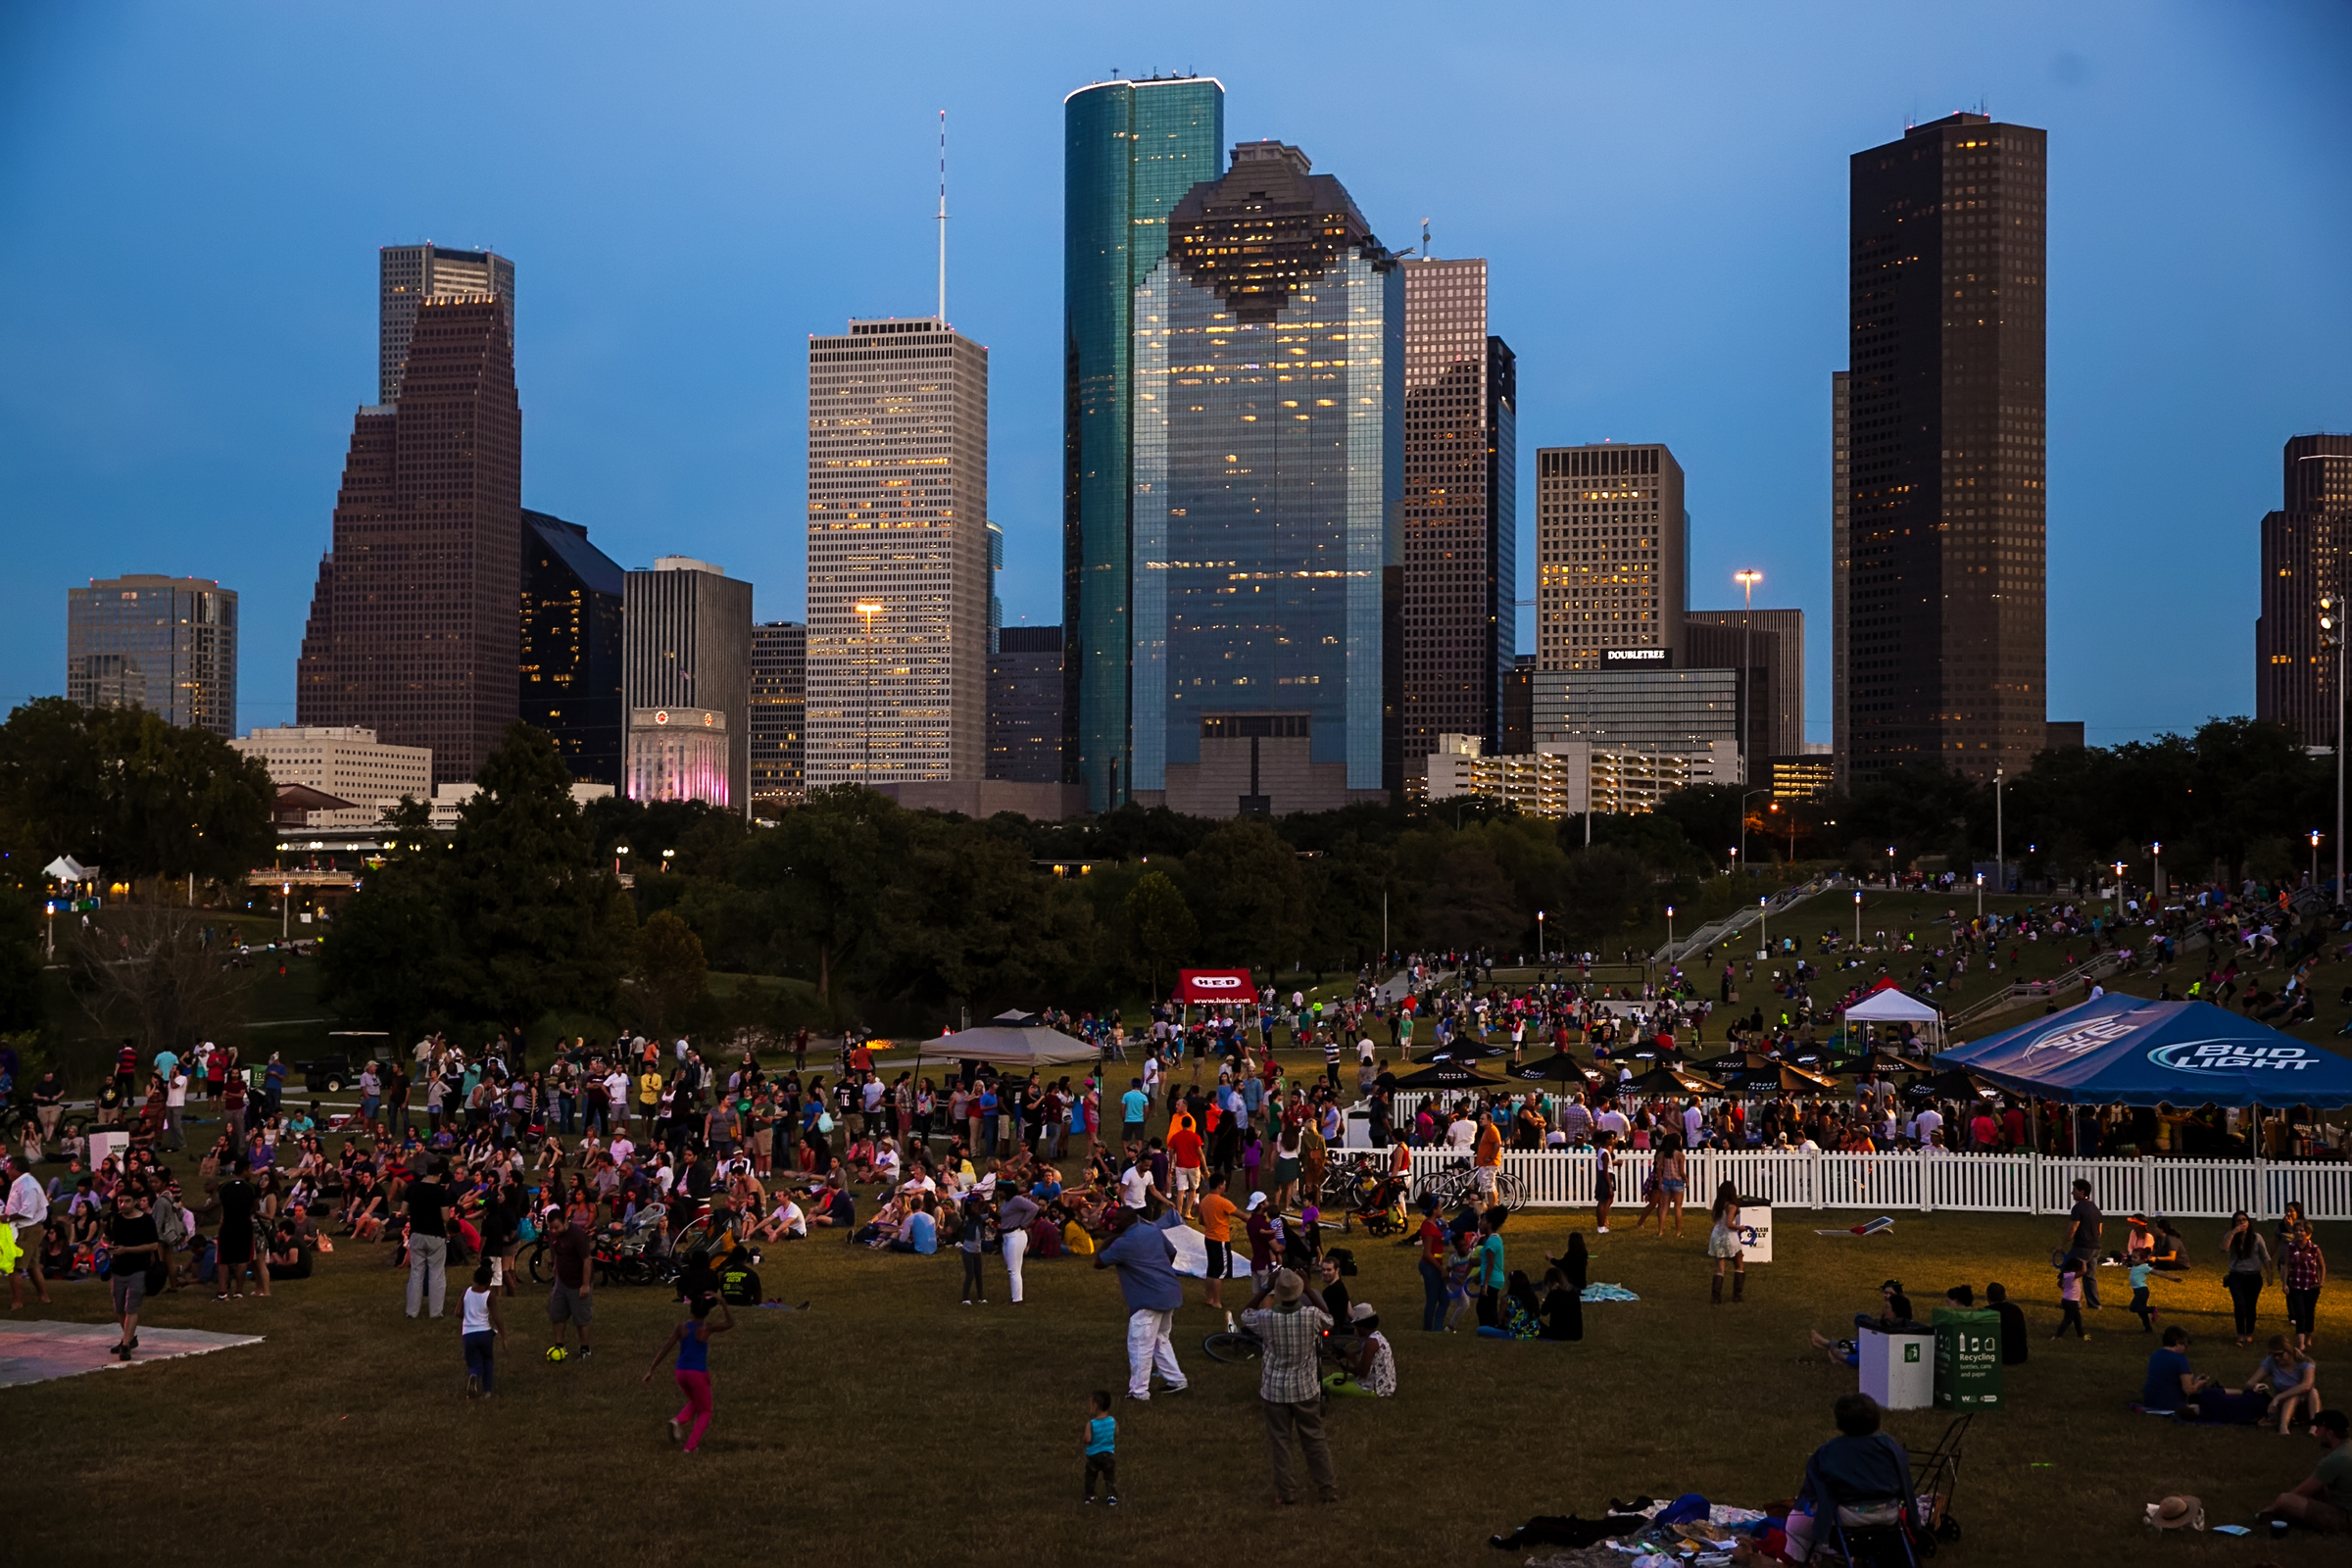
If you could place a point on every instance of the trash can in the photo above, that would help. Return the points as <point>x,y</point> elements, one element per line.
<point>1968,1359</point>
<point>1755,1231</point>
<point>1898,1370</point>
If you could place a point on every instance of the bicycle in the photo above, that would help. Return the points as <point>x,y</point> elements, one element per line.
<point>1461,1185</point>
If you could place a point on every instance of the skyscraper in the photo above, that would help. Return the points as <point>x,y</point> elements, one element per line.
<point>2303,559</point>
<point>412,630</point>
<point>1943,590</point>
<point>165,644</point>
<point>686,645</point>
<point>1612,550</point>
<point>1268,472</point>
<point>571,646</point>
<point>1841,560</point>
<point>897,554</point>
<point>1131,151</point>
<point>779,713</point>
<point>1769,645</point>
<point>410,275</point>
<point>1024,706</point>
<point>1460,523</point>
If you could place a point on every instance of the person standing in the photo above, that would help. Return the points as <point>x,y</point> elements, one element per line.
<point>571,1300</point>
<point>2304,1269</point>
<point>692,1341</point>
<point>2083,1225</point>
<point>1102,1449</point>
<point>427,1202</point>
<point>1289,1394</point>
<point>1216,1231</point>
<point>234,1247</point>
<point>1147,1265</point>
<point>1604,1180</point>
<point>479,1329</point>
<point>1013,1218</point>
<point>2248,1267</point>
<point>132,1247</point>
<point>29,1216</point>
<point>1723,1244</point>
<point>1432,1241</point>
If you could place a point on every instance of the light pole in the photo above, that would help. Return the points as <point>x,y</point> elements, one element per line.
<point>1669,926</point>
<point>1734,854</point>
<point>1980,897</point>
<point>2315,857</point>
<point>2157,849</point>
<point>1743,800</point>
<point>1747,582</point>
<point>285,910</point>
<point>865,721</point>
<point>1764,927</point>
<point>2331,635</point>
<point>1890,868</point>
<point>2119,882</point>
<point>2000,851</point>
<point>1541,954</point>
<point>1857,917</point>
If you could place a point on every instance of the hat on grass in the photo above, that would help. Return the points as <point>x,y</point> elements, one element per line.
<point>2177,1514</point>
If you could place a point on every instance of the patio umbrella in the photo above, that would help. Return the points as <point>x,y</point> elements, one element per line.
<point>1558,1068</point>
<point>1446,1075</point>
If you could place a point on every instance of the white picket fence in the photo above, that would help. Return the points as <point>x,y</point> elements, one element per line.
<point>1925,1180</point>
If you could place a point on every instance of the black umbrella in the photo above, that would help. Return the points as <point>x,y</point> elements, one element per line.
<point>1559,1068</point>
<point>1668,1081</point>
<point>1952,1084</point>
<point>1463,1051</point>
<point>1446,1076</point>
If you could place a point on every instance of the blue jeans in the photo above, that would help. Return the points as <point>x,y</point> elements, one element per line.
<point>1433,1298</point>
<point>478,1356</point>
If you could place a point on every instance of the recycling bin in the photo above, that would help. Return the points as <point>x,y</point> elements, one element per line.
<point>1968,1359</point>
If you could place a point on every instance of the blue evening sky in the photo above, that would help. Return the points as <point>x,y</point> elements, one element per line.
<point>191,200</point>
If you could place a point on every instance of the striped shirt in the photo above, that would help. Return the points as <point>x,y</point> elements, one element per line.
<point>1287,1372</point>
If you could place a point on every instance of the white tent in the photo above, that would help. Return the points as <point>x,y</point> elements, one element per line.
<point>67,869</point>
<point>1890,1006</point>
<point>1010,1048</point>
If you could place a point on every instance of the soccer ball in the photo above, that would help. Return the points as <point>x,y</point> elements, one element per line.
<point>555,1352</point>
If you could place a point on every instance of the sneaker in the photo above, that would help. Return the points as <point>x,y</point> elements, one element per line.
<point>1088,1500</point>
<point>1602,1230</point>
<point>676,1432</point>
<point>1111,1501</point>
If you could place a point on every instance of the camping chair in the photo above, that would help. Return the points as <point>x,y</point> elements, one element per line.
<point>1872,1533</point>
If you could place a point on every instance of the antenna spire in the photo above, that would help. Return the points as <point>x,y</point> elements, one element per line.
<point>942,218</point>
<point>1425,239</point>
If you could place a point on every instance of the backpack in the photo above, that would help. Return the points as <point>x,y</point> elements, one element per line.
<point>739,1287</point>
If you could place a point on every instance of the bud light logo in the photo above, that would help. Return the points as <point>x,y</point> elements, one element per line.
<point>2228,1056</point>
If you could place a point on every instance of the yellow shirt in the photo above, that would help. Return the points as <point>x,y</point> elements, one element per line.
<point>1075,1239</point>
<point>649,1089</point>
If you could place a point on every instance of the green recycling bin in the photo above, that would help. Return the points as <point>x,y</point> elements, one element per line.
<point>1968,1359</point>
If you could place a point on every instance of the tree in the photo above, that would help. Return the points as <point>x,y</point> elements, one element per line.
<point>1161,925</point>
<point>152,972</point>
<point>524,892</point>
<point>827,864</point>
<point>670,974</point>
<point>1469,904</point>
<point>1245,887</point>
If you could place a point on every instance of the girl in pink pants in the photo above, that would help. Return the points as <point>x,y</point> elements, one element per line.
<point>691,1340</point>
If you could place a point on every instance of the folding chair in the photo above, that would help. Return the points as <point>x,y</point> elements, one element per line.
<point>1871,1533</point>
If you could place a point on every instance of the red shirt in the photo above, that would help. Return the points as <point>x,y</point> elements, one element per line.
<point>1184,1147</point>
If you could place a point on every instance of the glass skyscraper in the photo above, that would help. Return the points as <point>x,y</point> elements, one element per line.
<point>1131,151</point>
<point>1268,471</point>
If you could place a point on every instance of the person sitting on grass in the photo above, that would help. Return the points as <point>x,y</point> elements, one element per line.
<point>1370,1361</point>
<point>2321,1502</point>
<point>2291,1379</point>
<point>1519,1314</point>
<point>2171,1388</point>
<point>1894,1318</point>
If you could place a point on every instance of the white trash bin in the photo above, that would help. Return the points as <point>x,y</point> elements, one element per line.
<point>1756,1232</point>
<point>1898,1370</point>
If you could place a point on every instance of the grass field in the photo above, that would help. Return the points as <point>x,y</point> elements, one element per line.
<point>889,1425</point>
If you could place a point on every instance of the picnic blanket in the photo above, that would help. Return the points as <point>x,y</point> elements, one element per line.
<point>1608,1293</point>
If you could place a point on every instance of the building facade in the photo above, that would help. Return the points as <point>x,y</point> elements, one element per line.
<point>573,595</point>
<point>1460,517</point>
<point>899,579</point>
<point>1519,707</point>
<point>1842,559</point>
<point>413,629</point>
<point>165,644</point>
<point>1268,475</point>
<point>2303,559</point>
<point>1612,553</point>
<point>1131,150</point>
<point>1943,589</point>
<point>1639,708</point>
<point>349,763</point>
<point>686,649</point>
<point>780,715</point>
<point>1024,706</point>
<point>1769,645</point>
<point>407,275</point>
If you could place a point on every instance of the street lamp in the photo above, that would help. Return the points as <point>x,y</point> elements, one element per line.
<point>2157,849</point>
<point>2331,635</point>
<point>2000,852</point>
<point>1734,851</point>
<point>619,850</point>
<point>1669,927</point>
<point>2315,857</point>
<point>866,723</point>
<point>1539,949</point>
<point>1890,868</point>
<point>1763,927</point>
<point>1743,800</point>
<point>1857,917</point>
<point>1980,897</point>
<point>1747,582</point>
<point>2119,881</point>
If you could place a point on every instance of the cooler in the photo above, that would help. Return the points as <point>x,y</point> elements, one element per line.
<point>1898,1370</point>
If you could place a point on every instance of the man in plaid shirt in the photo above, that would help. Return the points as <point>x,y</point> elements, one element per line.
<point>1289,1390</point>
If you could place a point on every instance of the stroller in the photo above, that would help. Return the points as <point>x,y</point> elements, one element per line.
<point>1369,1193</point>
<point>635,1252</point>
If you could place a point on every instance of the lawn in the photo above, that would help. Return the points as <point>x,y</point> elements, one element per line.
<point>890,1425</point>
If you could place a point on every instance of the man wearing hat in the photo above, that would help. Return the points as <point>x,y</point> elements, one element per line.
<point>1287,1389</point>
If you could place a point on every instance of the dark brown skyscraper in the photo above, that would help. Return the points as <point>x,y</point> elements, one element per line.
<point>2302,559</point>
<point>412,630</point>
<point>1460,530</point>
<point>1942,586</point>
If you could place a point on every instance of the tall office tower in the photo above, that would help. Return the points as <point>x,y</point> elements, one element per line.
<point>996,571</point>
<point>1268,469</point>
<point>1519,707</point>
<point>1944,580</point>
<point>411,274</point>
<point>1130,151</point>
<point>164,644</point>
<point>1842,556</point>
<point>779,710</point>
<point>1460,528</point>
<point>1024,706</point>
<point>1769,646</point>
<point>1612,546</point>
<point>412,630</point>
<point>686,647</point>
<point>572,644</point>
<point>2303,550</point>
<point>898,555</point>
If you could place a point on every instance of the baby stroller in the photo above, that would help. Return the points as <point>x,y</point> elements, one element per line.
<point>637,1251</point>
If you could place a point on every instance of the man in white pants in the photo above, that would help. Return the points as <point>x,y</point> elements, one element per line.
<point>1147,1265</point>
<point>1013,1219</point>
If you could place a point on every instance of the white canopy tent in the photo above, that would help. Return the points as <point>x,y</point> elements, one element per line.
<point>1010,1048</point>
<point>1891,1005</point>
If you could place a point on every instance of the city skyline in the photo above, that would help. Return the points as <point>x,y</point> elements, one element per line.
<point>229,485</point>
